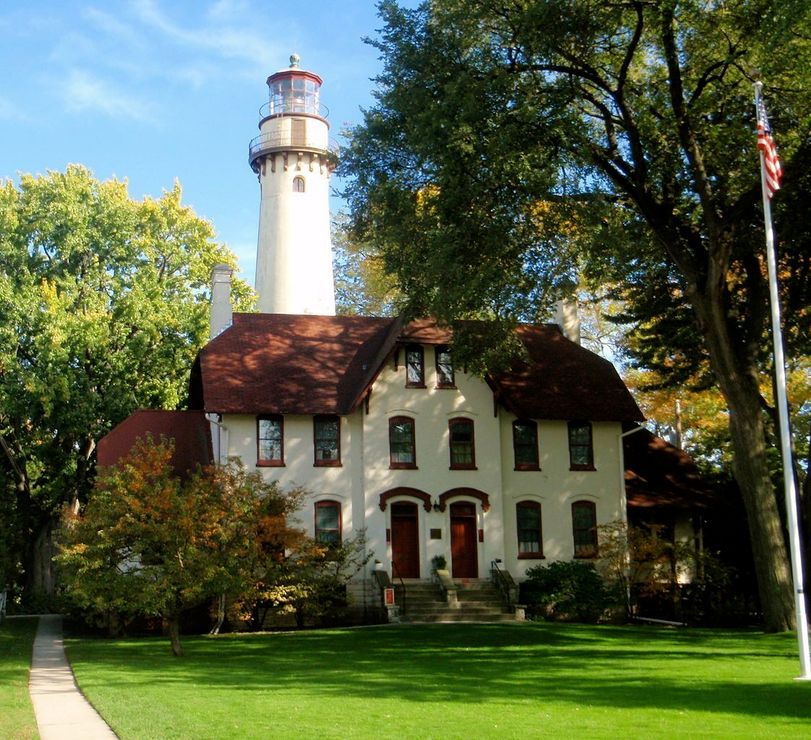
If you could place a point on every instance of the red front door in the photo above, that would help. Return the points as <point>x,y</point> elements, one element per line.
<point>464,550</point>
<point>405,540</point>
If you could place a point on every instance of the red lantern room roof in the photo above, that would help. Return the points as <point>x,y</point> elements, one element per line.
<point>294,90</point>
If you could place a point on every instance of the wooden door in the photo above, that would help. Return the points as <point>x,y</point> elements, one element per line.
<point>464,548</point>
<point>405,541</point>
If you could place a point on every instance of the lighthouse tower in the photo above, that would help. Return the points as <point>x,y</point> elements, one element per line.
<point>291,158</point>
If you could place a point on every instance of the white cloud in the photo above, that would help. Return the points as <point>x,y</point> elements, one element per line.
<point>221,34</point>
<point>84,92</point>
<point>112,26</point>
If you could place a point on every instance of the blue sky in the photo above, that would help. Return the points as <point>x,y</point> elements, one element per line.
<point>153,91</point>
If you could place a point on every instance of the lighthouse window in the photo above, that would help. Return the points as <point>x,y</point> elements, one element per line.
<point>298,184</point>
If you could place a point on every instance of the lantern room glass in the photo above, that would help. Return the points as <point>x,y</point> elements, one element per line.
<point>294,94</point>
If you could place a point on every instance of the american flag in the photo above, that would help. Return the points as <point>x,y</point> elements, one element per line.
<point>772,168</point>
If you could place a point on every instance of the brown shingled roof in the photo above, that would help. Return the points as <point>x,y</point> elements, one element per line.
<point>190,431</point>
<point>296,364</point>
<point>562,380</point>
<point>289,364</point>
<point>659,474</point>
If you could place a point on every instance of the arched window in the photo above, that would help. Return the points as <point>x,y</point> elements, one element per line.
<point>525,444</point>
<point>462,444</point>
<point>402,453</point>
<point>584,529</point>
<point>530,531</point>
<point>328,523</point>
<point>298,184</point>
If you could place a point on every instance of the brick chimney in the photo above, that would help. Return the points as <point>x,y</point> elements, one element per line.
<point>567,319</point>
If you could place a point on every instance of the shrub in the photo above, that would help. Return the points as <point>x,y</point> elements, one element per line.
<point>565,590</point>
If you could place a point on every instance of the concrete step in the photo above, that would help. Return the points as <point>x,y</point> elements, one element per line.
<point>479,601</point>
<point>456,615</point>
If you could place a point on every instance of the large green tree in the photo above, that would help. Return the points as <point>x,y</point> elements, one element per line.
<point>103,306</point>
<point>517,144</point>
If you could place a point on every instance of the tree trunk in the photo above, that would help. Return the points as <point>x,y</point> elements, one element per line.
<point>174,635</point>
<point>39,574</point>
<point>215,630</point>
<point>737,380</point>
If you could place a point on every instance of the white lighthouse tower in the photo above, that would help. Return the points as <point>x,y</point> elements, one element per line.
<point>291,158</point>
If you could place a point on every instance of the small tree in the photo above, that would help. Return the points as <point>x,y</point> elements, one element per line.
<point>151,542</point>
<point>637,561</point>
<point>311,581</point>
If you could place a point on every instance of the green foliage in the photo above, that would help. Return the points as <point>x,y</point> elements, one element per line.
<point>362,287</point>
<point>153,543</point>
<point>516,147</point>
<point>103,307</point>
<point>565,590</point>
<point>311,581</point>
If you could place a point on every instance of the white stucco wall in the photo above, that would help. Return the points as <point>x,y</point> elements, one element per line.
<point>556,487</point>
<point>365,473</point>
<point>294,252</point>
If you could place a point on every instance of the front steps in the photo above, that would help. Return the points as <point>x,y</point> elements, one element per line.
<point>478,601</point>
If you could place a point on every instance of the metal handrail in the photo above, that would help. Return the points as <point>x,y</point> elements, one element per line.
<point>297,106</point>
<point>280,140</point>
<point>395,574</point>
<point>504,582</point>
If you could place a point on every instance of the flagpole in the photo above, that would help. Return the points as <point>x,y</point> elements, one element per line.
<point>785,434</point>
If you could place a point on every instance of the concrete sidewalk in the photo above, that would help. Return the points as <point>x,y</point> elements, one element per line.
<point>62,711</point>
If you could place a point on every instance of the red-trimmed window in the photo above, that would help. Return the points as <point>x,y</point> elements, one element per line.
<point>402,453</point>
<point>415,366</point>
<point>525,444</point>
<point>462,444</point>
<point>581,450</point>
<point>270,440</point>
<point>328,523</point>
<point>327,440</point>
<point>584,529</point>
<point>444,367</point>
<point>530,530</point>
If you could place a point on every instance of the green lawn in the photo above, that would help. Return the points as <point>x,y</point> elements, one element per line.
<point>16,713</point>
<point>451,681</point>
